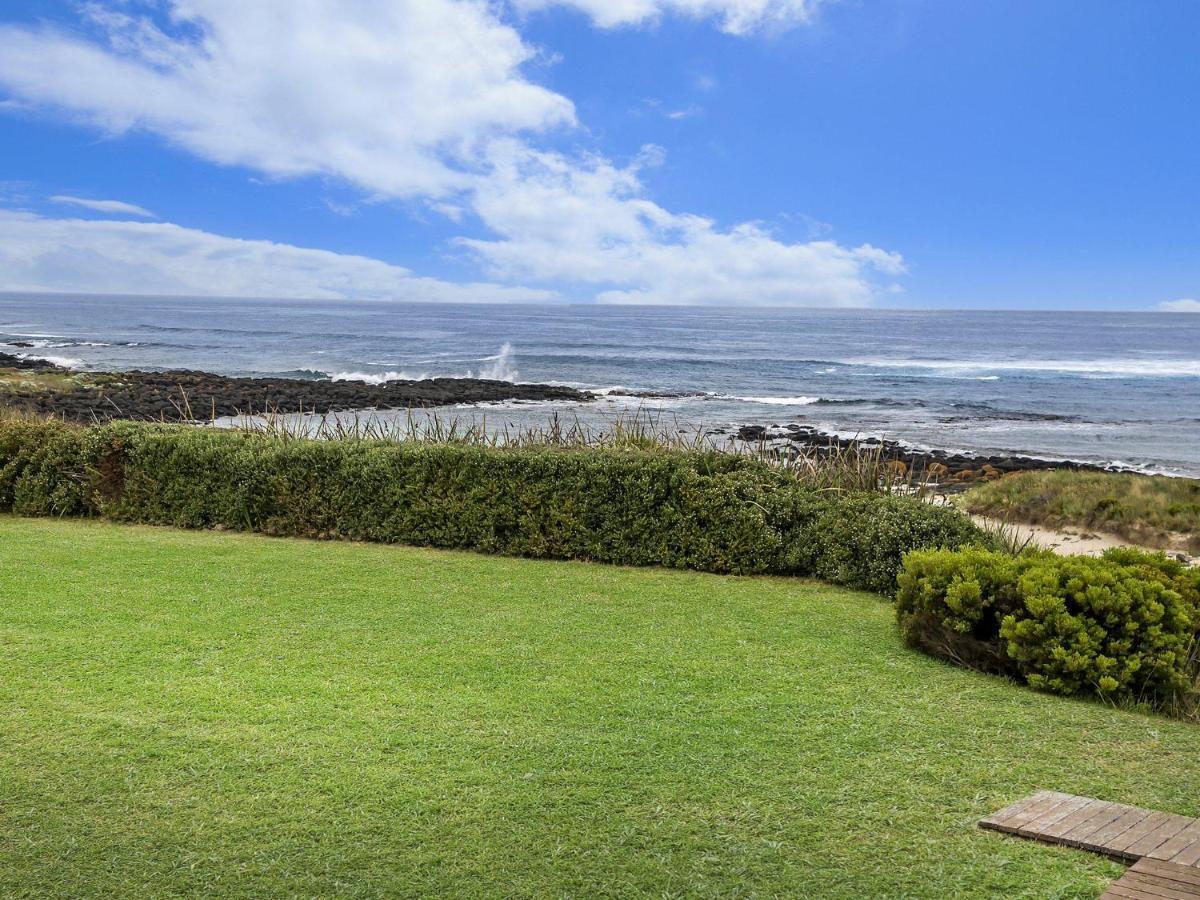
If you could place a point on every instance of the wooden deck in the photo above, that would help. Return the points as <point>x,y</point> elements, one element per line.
<point>1150,879</point>
<point>1164,847</point>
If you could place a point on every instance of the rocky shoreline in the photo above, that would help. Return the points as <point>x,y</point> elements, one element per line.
<point>40,387</point>
<point>190,396</point>
<point>951,471</point>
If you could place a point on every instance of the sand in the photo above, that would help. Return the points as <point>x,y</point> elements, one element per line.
<point>1076,541</point>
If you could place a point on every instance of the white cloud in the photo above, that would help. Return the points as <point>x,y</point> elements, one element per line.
<point>116,207</point>
<point>394,97</point>
<point>106,256</point>
<point>735,16</point>
<point>1192,306</point>
<point>426,100</point>
<point>562,220</point>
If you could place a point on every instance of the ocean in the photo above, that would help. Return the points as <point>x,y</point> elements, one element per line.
<point>1109,388</point>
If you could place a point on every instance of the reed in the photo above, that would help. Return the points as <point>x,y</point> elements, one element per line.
<point>834,467</point>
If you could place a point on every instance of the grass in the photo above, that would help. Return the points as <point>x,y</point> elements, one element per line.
<point>1161,512</point>
<point>198,712</point>
<point>832,467</point>
<point>29,379</point>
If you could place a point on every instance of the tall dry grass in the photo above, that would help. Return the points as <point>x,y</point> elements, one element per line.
<point>832,467</point>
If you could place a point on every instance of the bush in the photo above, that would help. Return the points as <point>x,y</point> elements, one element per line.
<point>1123,626</point>
<point>708,511</point>
<point>862,539</point>
<point>44,468</point>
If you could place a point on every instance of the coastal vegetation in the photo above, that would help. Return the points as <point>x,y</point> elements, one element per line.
<point>1124,627</point>
<point>1156,511</point>
<point>630,502</point>
<point>229,714</point>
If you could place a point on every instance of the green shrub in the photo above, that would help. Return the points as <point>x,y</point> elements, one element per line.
<point>708,511</point>
<point>1123,626</point>
<point>951,605</point>
<point>862,539</point>
<point>44,468</point>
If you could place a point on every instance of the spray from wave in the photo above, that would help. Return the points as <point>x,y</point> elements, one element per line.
<point>503,365</point>
<point>376,377</point>
<point>66,362</point>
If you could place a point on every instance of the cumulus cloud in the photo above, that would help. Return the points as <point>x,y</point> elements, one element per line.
<point>734,16</point>
<point>121,257</point>
<point>394,97</point>
<point>425,100</point>
<point>1192,306</point>
<point>562,220</point>
<point>113,207</point>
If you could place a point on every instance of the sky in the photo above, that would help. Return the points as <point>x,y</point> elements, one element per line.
<point>884,153</point>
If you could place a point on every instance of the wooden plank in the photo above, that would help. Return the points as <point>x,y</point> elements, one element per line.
<point>1188,856</point>
<point>1188,875</point>
<point>1106,815</point>
<point>1165,846</point>
<point>1000,821</point>
<point>1105,839</point>
<point>1065,824</point>
<point>1119,891</point>
<point>1047,820</point>
<point>1171,826</point>
<point>1049,802</point>
<point>1148,892</point>
<point>1184,839</point>
<point>1154,886</point>
<point>1152,891</point>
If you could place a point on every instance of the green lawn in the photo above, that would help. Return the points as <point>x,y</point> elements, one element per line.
<point>186,712</point>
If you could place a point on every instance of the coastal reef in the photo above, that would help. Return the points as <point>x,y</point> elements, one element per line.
<point>39,387</point>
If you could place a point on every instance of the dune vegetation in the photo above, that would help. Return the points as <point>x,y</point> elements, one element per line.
<point>1157,511</point>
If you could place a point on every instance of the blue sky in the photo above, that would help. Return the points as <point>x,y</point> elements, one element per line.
<point>933,153</point>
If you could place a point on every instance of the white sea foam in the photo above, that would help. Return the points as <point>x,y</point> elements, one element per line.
<point>46,344</point>
<point>777,401</point>
<point>22,335</point>
<point>67,362</point>
<point>1118,367</point>
<point>375,377</point>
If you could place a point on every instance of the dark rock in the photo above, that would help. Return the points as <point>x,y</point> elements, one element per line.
<point>755,433</point>
<point>189,395</point>
<point>953,471</point>
<point>8,361</point>
<point>653,395</point>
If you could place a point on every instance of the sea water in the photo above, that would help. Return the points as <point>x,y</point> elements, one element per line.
<point>1105,387</point>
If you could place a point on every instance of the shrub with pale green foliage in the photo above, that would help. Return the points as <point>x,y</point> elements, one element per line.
<point>699,510</point>
<point>1123,626</point>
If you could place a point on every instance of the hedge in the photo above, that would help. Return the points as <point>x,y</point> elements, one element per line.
<point>707,511</point>
<point>1124,626</point>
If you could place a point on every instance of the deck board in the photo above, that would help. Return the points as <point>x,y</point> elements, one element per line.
<point>1114,829</point>
<point>1151,879</point>
<point>1164,847</point>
